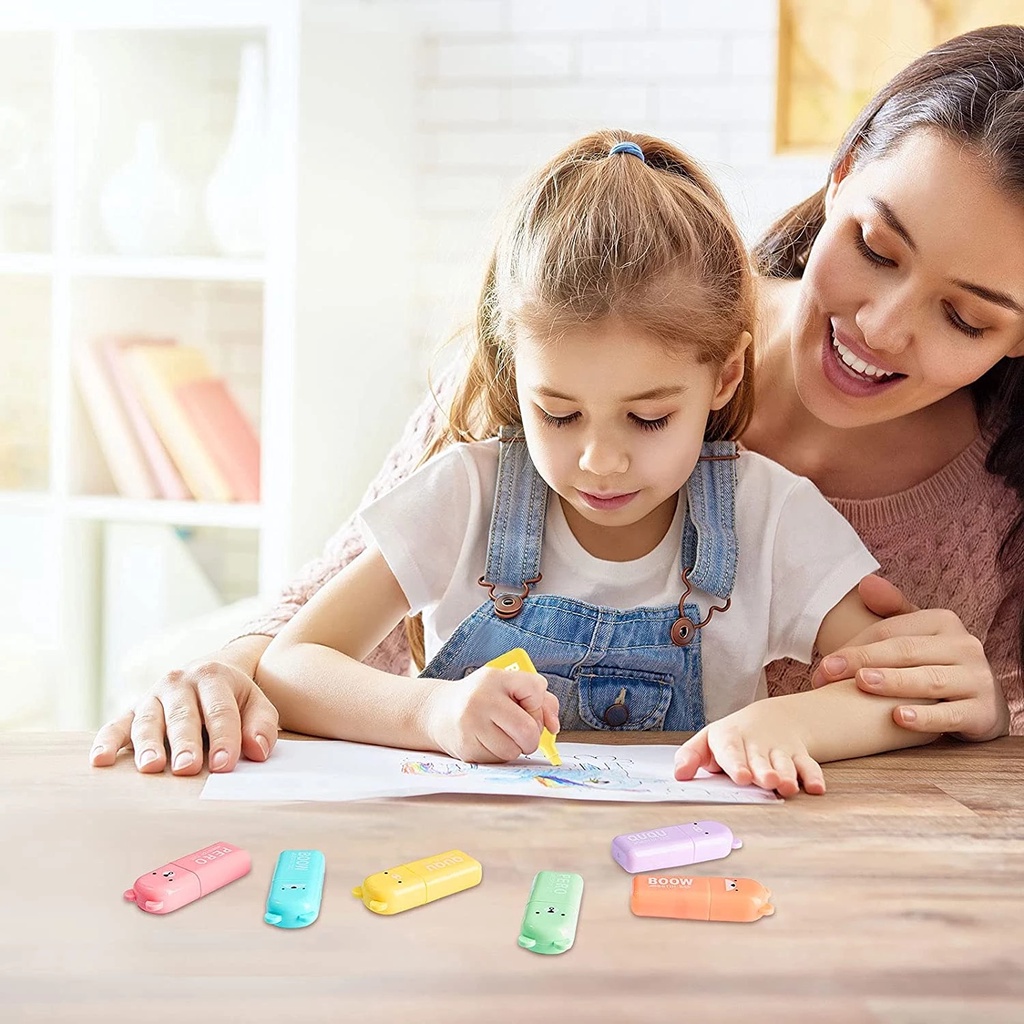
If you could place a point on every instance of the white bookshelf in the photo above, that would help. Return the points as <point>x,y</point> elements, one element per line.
<point>169,268</point>
<point>302,332</point>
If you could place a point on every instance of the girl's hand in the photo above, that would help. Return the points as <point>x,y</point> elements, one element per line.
<point>916,654</point>
<point>214,692</point>
<point>758,744</point>
<point>491,715</point>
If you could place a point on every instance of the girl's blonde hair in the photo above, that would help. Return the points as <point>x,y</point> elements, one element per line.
<point>593,235</point>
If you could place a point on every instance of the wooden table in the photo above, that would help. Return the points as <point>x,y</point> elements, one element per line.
<point>900,898</point>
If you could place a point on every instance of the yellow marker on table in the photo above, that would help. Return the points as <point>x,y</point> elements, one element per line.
<point>519,661</point>
<point>419,882</point>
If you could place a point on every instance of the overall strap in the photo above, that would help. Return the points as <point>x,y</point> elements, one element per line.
<point>709,529</point>
<point>517,522</point>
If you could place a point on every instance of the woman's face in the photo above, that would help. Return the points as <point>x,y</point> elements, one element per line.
<point>913,288</point>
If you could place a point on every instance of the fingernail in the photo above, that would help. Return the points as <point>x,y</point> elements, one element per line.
<point>147,757</point>
<point>183,760</point>
<point>263,745</point>
<point>872,677</point>
<point>219,760</point>
<point>908,714</point>
<point>96,751</point>
<point>834,665</point>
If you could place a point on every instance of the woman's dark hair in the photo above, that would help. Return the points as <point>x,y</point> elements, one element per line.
<point>970,88</point>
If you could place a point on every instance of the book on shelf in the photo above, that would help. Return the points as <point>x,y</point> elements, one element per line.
<point>229,437</point>
<point>213,446</point>
<point>169,483</point>
<point>117,439</point>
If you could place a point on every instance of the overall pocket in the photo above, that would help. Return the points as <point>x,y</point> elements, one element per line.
<point>624,699</point>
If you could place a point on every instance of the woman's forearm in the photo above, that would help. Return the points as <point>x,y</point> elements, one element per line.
<point>322,692</point>
<point>840,721</point>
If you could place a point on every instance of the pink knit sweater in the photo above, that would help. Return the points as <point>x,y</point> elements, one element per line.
<point>936,541</point>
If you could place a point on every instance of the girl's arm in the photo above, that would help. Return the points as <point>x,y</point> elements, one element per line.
<point>850,723</point>
<point>777,741</point>
<point>312,670</point>
<point>313,673</point>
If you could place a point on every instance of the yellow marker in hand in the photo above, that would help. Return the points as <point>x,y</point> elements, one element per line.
<point>519,661</point>
<point>547,748</point>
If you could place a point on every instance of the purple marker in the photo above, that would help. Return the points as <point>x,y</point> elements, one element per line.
<point>673,846</point>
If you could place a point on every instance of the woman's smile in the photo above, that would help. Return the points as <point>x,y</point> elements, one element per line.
<point>847,367</point>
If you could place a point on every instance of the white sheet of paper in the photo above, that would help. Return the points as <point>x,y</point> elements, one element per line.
<point>337,770</point>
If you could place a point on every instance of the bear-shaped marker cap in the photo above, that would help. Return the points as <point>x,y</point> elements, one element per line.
<point>700,899</point>
<point>418,882</point>
<point>296,889</point>
<point>674,846</point>
<point>552,912</point>
<point>179,882</point>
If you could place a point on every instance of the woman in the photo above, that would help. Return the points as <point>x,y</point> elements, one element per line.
<point>892,312</point>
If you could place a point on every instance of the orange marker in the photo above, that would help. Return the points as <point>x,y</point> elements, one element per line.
<point>700,899</point>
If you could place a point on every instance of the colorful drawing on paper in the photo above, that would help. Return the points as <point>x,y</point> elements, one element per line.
<point>586,772</point>
<point>340,770</point>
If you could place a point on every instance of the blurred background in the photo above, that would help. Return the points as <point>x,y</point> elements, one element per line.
<point>234,233</point>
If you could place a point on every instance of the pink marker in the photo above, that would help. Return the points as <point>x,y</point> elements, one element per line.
<point>674,846</point>
<point>182,881</point>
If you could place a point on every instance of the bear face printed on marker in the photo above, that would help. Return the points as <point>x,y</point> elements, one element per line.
<point>177,883</point>
<point>552,912</point>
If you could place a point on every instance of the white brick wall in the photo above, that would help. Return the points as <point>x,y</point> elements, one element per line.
<point>504,84</point>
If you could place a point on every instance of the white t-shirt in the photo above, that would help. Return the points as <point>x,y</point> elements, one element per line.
<point>797,558</point>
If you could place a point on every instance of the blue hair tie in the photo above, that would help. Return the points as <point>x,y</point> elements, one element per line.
<point>627,147</point>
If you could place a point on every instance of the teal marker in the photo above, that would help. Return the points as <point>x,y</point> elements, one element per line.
<point>296,889</point>
<point>549,924</point>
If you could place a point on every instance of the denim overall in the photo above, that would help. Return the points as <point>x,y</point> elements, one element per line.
<point>610,669</point>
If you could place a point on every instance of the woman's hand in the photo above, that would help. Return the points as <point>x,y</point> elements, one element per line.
<point>492,715</point>
<point>760,744</point>
<point>915,654</point>
<point>216,692</point>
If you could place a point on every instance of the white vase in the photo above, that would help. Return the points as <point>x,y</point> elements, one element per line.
<point>236,193</point>
<point>143,207</point>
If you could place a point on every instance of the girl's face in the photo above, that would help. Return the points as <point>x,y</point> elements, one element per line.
<point>914,287</point>
<point>615,422</point>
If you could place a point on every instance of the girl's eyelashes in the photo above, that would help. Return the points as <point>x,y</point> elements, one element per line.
<point>563,421</point>
<point>659,424</point>
<point>559,421</point>
<point>951,314</point>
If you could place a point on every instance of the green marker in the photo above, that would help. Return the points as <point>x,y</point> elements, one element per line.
<point>549,924</point>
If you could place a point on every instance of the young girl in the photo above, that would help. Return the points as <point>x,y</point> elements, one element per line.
<point>608,524</point>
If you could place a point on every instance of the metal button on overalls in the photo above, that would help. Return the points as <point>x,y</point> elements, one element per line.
<point>616,715</point>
